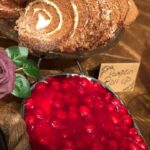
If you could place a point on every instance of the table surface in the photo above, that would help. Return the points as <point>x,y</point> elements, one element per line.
<point>134,46</point>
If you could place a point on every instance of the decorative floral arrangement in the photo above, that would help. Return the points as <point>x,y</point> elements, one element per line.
<point>13,60</point>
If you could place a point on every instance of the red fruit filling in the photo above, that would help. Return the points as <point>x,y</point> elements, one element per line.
<point>74,113</point>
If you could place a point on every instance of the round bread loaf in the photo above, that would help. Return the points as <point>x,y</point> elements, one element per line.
<point>92,31</point>
<point>111,17</point>
<point>46,24</point>
<point>81,18</point>
<point>9,9</point>
<point>72,25</point>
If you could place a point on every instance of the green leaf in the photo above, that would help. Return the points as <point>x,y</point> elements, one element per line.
<point>18,54</point>
<point>22,87</point>
<point>31,69</point>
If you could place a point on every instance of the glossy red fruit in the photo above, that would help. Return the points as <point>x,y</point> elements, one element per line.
<point>111,107</point>
<point>73,113</point>
<point>113,145</point>
<point>56,124</point>
<point>29,104</point>
<point>133,131</point>
<point>134,146</point>
<point>30,120</point>
<point>40,87</point>
<point>61,114</point>
<point>85,111</point>
<point>90,128</point>
<point>127,120</point>
<point>143,146</point>
<point>115,118</point>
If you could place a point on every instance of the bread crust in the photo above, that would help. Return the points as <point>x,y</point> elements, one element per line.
<point>76,38</point>
<point>44,40</point>
<point>9,9</point>
<point>111,16</point>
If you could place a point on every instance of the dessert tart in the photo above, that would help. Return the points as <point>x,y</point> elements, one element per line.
<point>52,22</point>
<point>76,112</point>
<point>73,25</point>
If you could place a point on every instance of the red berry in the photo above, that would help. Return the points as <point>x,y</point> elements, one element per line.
<point>143,146</point>
<point>116,101</point>
<point>56,124</point>
<point>133,131</point>
<point>40,87</point>
<point>138,138</point>
<point>133,146</point>
<point>115,118</point>
<point>99,103</point>
<point>30,120</point>
<point>98,146</point>
<point>127,120</point>
<point>111,107</point>
<point>89,101</point>
<point>61,114</point>
<point>90,128</point>
<point>113,145</point>
<point>85,111</point>
<point>43,141</point>
<point>58,103</point>
<point>29,103</point>
<point>39,114</point>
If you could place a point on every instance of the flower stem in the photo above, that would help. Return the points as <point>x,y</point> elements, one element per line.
<point>19,69</point>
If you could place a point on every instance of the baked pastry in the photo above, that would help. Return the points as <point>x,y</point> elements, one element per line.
<point>52,22</point>
<point>86,24</point>
<point>9,9</point>
<point>76,113</point>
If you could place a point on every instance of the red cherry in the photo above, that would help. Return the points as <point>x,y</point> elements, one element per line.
<point>111,107</point>
<point>127,120</point>
<point>98,146</point>
<point>29,103</point>
<point>108,97</point>
<point>43,141</point>
<point>56,124</point>
<point>138,138</point>
<point>133,131</point>
<point>113,145</point>
<point>39,114</point>
<point>116,101</point>
<point>41,86</point>
<point>103,139</point>
<point>99,103</point>
<point>58,103</point>
<point>55,85</point>
<point>89,101</point>
<point>85,111</point>
<point>117,135</point>
<point>73,115</point>
<point>68,144</point>
<point>30,120</point>
<point>61,114</point>
<point>133,146</point>
<point>115,118</point>
<point>84,82</point>
<point>122,109</point>
<point>143,146</point>
<point>90,128</point>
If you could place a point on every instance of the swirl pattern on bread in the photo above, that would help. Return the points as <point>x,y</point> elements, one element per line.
<point>72,25</point>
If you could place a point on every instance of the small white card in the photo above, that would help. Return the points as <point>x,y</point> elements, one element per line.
<point>120,77</point>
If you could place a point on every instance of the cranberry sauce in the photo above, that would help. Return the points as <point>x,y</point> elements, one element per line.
<point>74,113</point>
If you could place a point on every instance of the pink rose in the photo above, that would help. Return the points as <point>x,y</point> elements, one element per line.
<point>7,74</point>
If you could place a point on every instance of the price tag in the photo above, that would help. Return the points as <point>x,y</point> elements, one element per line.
<point>120,77</point>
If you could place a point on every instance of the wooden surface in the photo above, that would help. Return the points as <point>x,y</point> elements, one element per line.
<point>133,47</point>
